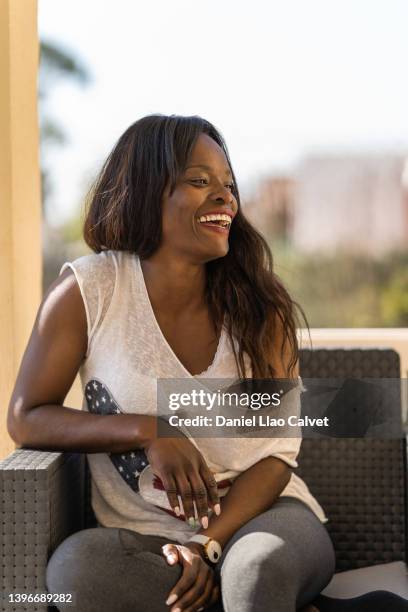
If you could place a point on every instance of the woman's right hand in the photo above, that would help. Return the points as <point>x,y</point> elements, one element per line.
<point>184,472</point>
<point>198,588</point>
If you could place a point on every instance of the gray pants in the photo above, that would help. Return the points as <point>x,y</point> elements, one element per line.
<point>278,561</point>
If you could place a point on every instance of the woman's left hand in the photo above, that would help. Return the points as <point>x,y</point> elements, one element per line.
<point>197,588</point>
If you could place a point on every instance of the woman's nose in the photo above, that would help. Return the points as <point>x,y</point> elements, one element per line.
<point>224,194</point>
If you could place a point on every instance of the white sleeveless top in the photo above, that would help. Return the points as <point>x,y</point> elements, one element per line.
<point>126,353</point>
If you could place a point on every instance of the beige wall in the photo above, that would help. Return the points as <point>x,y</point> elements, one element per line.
<point>20,208</point>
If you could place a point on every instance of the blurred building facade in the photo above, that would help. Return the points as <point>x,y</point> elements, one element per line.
<point>271,207</point>
<point>353,203</point>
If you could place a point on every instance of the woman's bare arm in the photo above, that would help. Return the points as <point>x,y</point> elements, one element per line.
<point>251,493</point>
<point>56,348</point>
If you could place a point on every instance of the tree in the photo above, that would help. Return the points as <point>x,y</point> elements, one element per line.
<point>56,64</point>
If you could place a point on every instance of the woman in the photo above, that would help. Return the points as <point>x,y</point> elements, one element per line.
<point>180,285</point>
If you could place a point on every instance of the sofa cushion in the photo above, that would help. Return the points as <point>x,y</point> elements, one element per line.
<point>391,577</point>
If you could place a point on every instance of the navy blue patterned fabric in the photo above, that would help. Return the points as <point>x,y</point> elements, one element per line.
<point>130,464</point>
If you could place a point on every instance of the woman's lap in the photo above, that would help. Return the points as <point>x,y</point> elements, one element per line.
<point>285,551</point>
<point>283,554</point>
<point>112,570</point>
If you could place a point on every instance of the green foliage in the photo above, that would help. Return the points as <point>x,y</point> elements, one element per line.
<point>71,230</point>
<point>394,299</point>
<point>55,64</point>
<point>62,244</point>
<point>347,290</point>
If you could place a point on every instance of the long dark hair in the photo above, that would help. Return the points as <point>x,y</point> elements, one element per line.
<point>124,213</point>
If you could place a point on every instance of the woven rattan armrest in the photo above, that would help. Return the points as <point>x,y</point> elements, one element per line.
<point>42,503</point>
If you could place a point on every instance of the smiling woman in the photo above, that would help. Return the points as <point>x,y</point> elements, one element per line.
<point>161,177</point>
<point>188,203</point>
<point>180,285</point>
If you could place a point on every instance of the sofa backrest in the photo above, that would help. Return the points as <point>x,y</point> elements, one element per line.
<point>360,482</point>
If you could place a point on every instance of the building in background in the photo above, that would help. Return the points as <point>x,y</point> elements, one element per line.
<point>353,203</point>
<point>271,207</point>
<point>333,203</point>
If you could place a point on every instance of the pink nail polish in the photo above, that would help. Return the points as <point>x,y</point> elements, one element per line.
<point>171,599</point>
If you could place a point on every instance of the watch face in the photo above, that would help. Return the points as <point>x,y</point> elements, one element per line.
<point>214,551</point>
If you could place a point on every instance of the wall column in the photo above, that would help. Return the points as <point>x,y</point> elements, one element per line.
<point>20,194</point>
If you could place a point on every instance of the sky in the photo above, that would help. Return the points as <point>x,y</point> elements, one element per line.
<point>279,79</point>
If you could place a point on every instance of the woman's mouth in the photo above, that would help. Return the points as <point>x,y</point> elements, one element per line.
<point>217,223</point>
<point>216,228</point>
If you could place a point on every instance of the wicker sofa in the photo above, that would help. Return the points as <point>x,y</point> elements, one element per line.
<point>361,483</point>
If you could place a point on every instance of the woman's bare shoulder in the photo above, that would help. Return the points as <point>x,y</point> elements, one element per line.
<point>62,311</point>
<point>63,295</point>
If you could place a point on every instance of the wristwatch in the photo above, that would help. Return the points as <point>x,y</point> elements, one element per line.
<point>212,548</point>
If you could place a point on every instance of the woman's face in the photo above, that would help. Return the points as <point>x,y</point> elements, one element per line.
<point>204,188</point>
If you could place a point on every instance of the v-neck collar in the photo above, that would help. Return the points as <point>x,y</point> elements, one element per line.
<point>162,336</point>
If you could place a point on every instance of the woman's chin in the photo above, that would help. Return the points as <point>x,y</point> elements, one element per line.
<point>218,253</point>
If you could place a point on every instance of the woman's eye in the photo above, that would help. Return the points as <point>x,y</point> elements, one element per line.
<point>198,181</point>
<point>202,181</point>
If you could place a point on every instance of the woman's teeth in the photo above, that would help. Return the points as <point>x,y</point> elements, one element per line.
<point>219,219</point>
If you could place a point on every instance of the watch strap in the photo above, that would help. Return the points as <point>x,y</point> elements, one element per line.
<point>200,538</point>
<point>204,541</point>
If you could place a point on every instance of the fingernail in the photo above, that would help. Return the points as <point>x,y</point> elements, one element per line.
<point>177,610</point>
<point>199,609</point>
<point>171,599</point>
<point>191,521</point>
<point>217,509</point>
<point>177,510</point>
<point>204,521</point>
